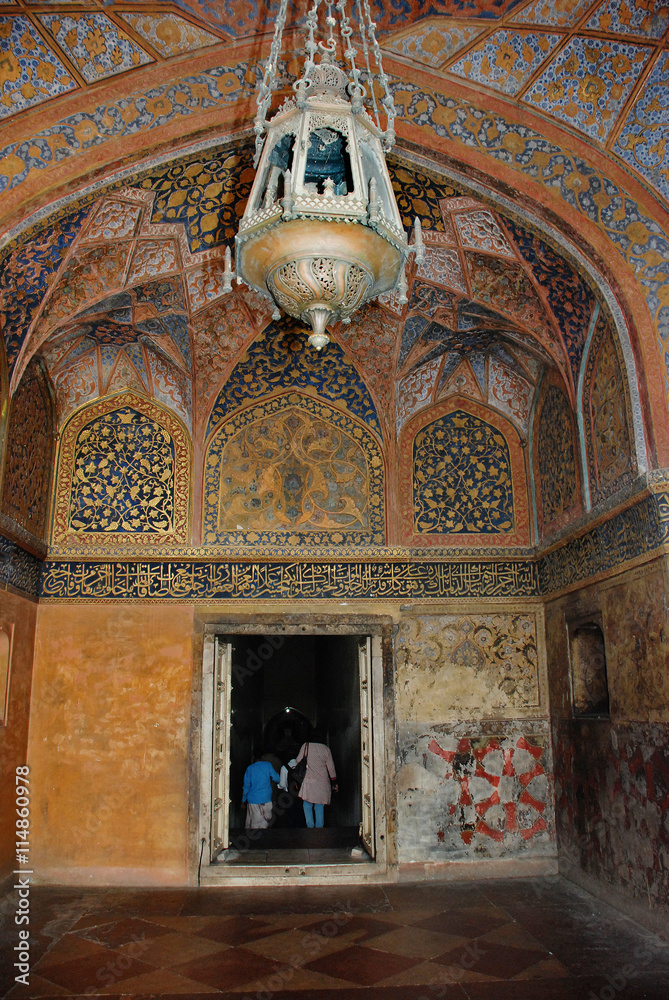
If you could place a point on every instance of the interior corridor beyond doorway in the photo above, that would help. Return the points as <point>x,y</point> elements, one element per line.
<point>282,689</point>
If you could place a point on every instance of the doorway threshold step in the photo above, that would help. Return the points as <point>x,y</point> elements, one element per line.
<point>291,856</point>
<point>248,874</point>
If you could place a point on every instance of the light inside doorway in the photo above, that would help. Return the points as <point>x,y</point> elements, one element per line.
<point>281,688</point>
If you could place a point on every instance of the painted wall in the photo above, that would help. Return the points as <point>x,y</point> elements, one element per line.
<point>109,742</point>
<point>17,616</point>
<point>474,756</point>
<point>612,774</point>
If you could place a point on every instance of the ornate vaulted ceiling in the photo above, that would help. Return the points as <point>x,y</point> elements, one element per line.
<point>558,107</point>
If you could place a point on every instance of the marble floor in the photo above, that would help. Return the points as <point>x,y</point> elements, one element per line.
<point>521,939</point>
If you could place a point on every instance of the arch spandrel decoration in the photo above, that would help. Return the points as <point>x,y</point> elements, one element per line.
<point>556,475</point>
<point>462,478</point>
<point>123,475</point>
<point>607,415</point>
<point>292,470</point>
<point>29,453</point>
<point>279,359</point>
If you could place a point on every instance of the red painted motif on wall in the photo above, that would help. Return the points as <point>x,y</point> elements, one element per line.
<point>612,803</point>
<point>502,787</point>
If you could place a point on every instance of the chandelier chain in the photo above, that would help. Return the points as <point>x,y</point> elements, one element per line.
<point>387,101</point>
<point>268,81</point>
<point>356,88</point>
<point>365,49</point>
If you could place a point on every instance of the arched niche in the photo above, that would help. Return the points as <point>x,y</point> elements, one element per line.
<point>292,470</point>
<point>462,478</point>
<point>555,466</point>
<point>29,452</point>
<point>607,416</point>
<point>123,475</point>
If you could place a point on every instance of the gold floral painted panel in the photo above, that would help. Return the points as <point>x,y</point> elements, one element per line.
<point>293,471</point>
<point>124,469</point>
<point>457,666</point>
<point>608,417</point>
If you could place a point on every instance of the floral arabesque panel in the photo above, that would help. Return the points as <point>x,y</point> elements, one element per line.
<point>588,83</point>
<point>505,60</point>
<point>205,192</point>
<point>27,478</point>
<point>280,359</point>
<point>643,141</point>
<point>462,478</point>
<point>432,43</point>
<point>30,72</point>
<point>26,275</point>
<point>293,471</point>
<point>123,469</point>
<point>245,17</point>
<point>556,461</point>
<point>96,46</point>
<point>169,34</point>
<point>466,666</point>
<point>607,416</point>
<point>569,297</point>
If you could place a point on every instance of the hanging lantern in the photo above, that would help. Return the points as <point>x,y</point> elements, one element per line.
<point>322,234</point>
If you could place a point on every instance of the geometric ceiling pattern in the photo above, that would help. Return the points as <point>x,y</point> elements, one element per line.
<point>135,301</point>
<point>590,75</point>
<point>121,310</point>
<point>599,67</point>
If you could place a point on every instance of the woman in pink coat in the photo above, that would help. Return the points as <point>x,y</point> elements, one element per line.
<point>319,781</point>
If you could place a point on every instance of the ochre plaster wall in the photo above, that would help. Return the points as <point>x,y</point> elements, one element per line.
<point>108,745</point>
<point>474,778</point>
<point>612,774</point>
<point>20,614</point>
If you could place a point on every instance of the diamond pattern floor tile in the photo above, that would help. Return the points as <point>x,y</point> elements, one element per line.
<point>535,939</point>
<point>132,929</point>
<point>160,981</point>
<point>417,942</point>
<point>172,949</point>
<point>226,970</point>
<point>362,966</point>
<point>96,971</point>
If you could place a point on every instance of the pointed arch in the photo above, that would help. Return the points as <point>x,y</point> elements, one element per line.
<point>291,470</point>
<point>462,478</point>
<point>123,475</point>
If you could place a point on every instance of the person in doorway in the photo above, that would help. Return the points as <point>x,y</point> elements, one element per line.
<point>257,794</point>
<point>319,781</point>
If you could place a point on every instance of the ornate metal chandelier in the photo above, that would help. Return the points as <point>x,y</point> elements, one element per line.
<point>322,234</point>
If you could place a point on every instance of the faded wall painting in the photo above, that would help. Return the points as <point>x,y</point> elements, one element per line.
<point>27,480</point>
<point>124,469</point>
<point>293,471</point>
<point>555,457</point>
<point>462,478</point>
<point>607,415</point>
<point>475,792</point>
<point>467,666</point>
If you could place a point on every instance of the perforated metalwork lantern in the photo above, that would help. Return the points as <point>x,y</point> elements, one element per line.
<point>322,234</point>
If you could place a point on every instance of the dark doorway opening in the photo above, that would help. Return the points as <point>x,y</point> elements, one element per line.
<point>283,687</point>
